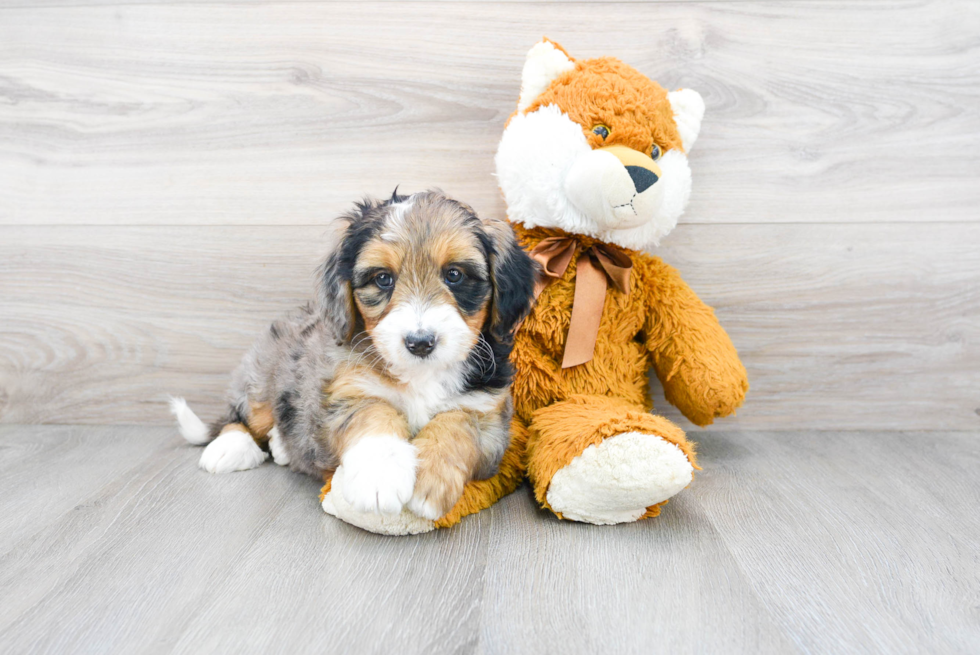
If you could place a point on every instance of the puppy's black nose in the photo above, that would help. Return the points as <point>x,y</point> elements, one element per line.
<point>642,178</point>
<point>420,344</point>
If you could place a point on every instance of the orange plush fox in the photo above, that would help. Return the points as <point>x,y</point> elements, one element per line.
<point>593,167</point>
<point>594,170</point>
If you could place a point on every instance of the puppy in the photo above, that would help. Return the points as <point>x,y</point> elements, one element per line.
<point>399,370</point>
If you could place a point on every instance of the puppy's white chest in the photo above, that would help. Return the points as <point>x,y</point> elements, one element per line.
<point>423,400</point>
<point>427,396</point>
<point>422,406</point>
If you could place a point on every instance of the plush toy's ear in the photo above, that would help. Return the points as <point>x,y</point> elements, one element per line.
<point>688,109</point>
<point>545,62</point>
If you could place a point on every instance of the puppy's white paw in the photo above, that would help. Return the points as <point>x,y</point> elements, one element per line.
<point>279,454</point>
<point>380,474</point>
<point>393,524</point>
<point>424,508</point>
<point>232,451</point>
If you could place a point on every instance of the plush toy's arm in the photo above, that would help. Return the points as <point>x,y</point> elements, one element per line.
<point>692,355</point>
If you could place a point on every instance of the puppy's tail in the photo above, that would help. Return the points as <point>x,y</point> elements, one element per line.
<point>191,427</point>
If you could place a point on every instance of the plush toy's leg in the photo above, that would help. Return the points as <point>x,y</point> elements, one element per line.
<point>477,495</point>
<point>602,460</point>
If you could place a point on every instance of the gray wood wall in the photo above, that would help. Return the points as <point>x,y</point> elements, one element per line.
<point>168,170</point>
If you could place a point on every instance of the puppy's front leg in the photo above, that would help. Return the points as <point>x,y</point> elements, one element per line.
<point>448,458</point>
<point>379,462</point>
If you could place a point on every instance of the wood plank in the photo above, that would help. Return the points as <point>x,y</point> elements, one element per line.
<point>148,114</point>
<point>843,327</point>
<point>157,559</point>
<point>163,536</point>
<point>855,542</point>
<point>68,463</point>
<point>22,4</point>
<point>113,320</point>
<point>840,326</point>
<point>333,588</point>
<point>665,585</point>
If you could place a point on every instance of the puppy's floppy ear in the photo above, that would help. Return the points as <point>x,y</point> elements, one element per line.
<point>512,274</point>
<point>335,295</point>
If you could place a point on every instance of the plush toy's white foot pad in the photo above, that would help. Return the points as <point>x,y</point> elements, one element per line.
<point>232,451</point>
<point>279,454</point>
<point>616,480</point>
<point>393,524</point>
<point>380,474</point>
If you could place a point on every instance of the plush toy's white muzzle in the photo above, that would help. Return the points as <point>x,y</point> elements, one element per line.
<point>615,195</point>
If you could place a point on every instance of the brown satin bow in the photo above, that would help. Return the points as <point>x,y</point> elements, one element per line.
<point>555,254</point>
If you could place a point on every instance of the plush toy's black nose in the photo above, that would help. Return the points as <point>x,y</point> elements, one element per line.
<point>642,178</point>
<point>420,344</point>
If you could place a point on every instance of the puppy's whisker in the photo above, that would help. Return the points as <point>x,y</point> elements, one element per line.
<point>356,341</point>
<point>369,356</point>
<point>490,357</point>
<point>483,350</point>
<point>364,355</point>
<point>372,357</point>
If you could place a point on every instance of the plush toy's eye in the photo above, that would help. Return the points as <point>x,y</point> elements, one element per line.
<point>655,152</point>
<point>453,276</point>
<point>384,280</point>
<point>601,130</point>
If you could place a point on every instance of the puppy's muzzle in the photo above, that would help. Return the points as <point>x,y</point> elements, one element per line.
<point>420,344</point>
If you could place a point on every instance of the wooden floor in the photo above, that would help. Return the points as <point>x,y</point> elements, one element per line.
<point>112,541</point>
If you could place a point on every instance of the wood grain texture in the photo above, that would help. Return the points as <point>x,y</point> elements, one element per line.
<point>34,4</point>
<point>638,588</point>
<point>841,326</point>
<point>65,464</point>
<point>808,542</point>
<point>886,522</point>
<point>280,113</point>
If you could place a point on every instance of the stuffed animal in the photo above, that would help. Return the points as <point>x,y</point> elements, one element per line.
<point>593,167</point>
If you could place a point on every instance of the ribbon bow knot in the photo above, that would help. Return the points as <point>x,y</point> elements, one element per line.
<point>599,265</point>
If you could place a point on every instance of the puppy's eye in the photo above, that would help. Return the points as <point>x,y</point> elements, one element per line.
<point>453,276</point>
<point>384,280</point>
<point>655,152</point>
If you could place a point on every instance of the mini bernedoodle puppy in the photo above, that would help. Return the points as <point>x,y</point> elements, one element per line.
<point>399,370</point>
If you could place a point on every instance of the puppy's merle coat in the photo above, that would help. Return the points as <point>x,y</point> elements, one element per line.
<point>399,369</point>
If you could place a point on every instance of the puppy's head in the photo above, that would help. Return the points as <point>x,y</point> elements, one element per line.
<point>430,283</point>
